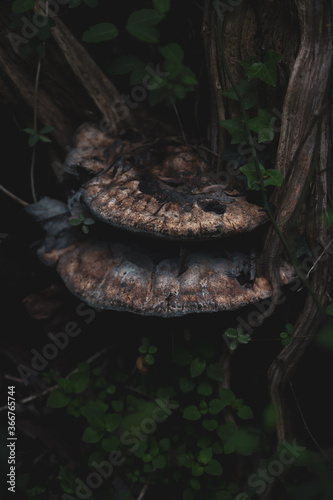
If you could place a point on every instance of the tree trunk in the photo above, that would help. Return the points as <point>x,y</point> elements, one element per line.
<point>300,31</point>
<point>72,88</point>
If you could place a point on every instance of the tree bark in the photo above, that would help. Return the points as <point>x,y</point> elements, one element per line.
<point>300,31</point>
<point>72,88</point>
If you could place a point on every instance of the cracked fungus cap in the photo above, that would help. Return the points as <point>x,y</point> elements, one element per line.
<point>159,187</point>
<point>138,277</point>
<point>127,277</point>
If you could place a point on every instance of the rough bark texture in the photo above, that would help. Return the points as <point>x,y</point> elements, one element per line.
<point>71,89</point>
<point>301,32</point>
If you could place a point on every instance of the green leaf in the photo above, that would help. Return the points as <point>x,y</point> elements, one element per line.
<point>152,349</point>
<point>57,399</point>
<point>195,484</point>
<point>229,448</point>
<point>226,430</point>
<point>210,425</point>
<point>20,6</point>
<point>111,389</point>
<point>205,455</point>
<point>216,406</point>
<point>141,24</point>
<point>275,178</point>
<point>290,327</point>
<point>90,435</point>
<point>159,462</point>
<point>112,421</point>
<point>162,6</point>
<point>205,389</point>
<point>329,310</point>
<point>46,130</point>
<point>89,222</point>
<point>217,448</point>
<point>185,460</point>
<point>186,384</point>
<point>100,33</point>
<point>226,396</point>
<point>94,410</point>
<point>249,169</point>
<point>283,335</point>
<point>197,470</point>
<point>85,229</point>
<point>215,372</point>
<point>231,333</point>
<point>247,90</point>
<point>243,441</point>
<point>243,338</point>
<point>149,358</point>
<point>233,345</point>
<point>266,71</point>
<point>325,337</point>
<point>192,413</point>
<point>236,129</point>
<point>30,131</point>
<point>143,349</point>
<point>79,381</point>
<point>245,412</point>
<point>164,444</point>
<point>75,222</point>
<point>197,367</point>
<point>44,138</point>
<point>124,64</point>
<point>213,468</point>
<point>33,139</point>
<point>172,53</point>
<point>263,125</point>
<point>117,405</point>
<point>110,444</point>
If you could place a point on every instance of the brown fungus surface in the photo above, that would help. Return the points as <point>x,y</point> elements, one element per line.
<point>160,187</point>
<point>147,276</point>
<point>126,278</point>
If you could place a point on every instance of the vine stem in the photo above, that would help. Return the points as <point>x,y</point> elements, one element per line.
<point>33,156</point>
<point>13,196</point>
<point>260,177</point>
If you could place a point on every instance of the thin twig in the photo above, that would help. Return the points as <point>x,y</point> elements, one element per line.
<point>319,258</point>
<point>50,389</point>
<point>33,157</point>
<point>13,379</point>
<point>180,123</point>
<point>143,491</point>
<point>306,425</point>
<point>13,196</point>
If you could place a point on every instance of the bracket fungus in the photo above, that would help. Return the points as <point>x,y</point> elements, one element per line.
<point>160,187</point>
<point>135,188</point>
